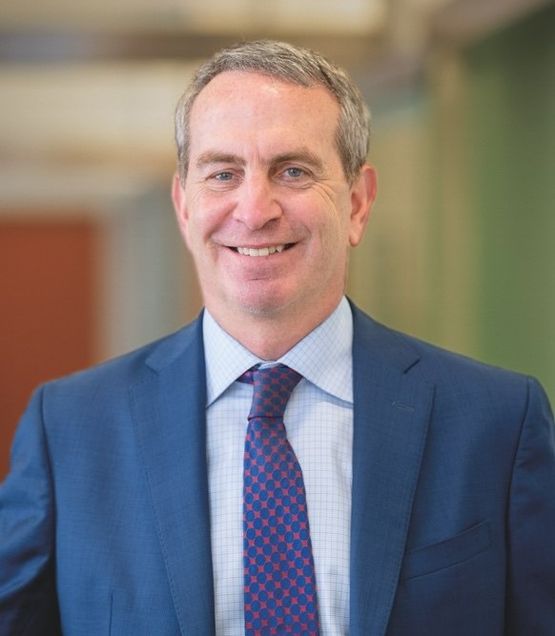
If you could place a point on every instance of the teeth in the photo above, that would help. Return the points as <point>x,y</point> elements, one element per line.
<point>263,251</point>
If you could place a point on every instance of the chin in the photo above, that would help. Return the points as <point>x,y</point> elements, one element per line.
<point>261,308</point>
<point>266,304</point>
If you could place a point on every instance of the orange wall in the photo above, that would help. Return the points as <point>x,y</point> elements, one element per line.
<point>48,323</point>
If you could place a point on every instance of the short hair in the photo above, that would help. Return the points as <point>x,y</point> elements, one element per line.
<point>290,64</point>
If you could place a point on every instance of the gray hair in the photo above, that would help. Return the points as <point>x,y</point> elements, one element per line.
<point>290,64</point>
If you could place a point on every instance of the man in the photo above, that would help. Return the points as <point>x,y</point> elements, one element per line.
<point>421,497</point>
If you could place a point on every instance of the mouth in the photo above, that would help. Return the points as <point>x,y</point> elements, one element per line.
<point>261,251</point>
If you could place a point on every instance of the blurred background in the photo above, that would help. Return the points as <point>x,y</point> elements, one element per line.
<point>461,247</point>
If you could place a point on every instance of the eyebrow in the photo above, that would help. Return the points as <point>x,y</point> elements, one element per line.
<point>211,157</point>
<point>302,154</point>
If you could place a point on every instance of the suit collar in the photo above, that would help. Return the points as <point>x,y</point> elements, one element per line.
<point>382,347</point>
<point>172,348</point>
<point>391,413</point>
<point>169,415</point>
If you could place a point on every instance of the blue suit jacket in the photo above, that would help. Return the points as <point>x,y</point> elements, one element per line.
<point>104,520</point>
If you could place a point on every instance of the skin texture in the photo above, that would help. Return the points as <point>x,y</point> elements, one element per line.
<point>263,172</point>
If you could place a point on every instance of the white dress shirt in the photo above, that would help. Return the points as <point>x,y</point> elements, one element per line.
<point>319,424</point>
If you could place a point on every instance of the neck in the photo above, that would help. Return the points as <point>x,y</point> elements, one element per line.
<point>271,336</point>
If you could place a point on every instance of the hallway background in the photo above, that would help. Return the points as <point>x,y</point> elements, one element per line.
<point>461,246</point>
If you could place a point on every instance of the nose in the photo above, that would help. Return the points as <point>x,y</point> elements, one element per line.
<point>257,204</point>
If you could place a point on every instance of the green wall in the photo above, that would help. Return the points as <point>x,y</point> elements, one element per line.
<point>460,249</point>
<point>511,172</point>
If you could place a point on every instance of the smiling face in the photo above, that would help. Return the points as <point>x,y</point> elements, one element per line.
<point>266,210</point>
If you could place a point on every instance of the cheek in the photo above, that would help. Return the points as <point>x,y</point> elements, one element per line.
<point>202,222</point>
<point>188,232</point>
<point>194,240</point>
<point>206,210</point>
<point>335,231</point>
<point>318,211</point>
<point>213,213</point>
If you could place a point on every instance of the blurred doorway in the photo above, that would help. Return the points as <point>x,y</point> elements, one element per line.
<point>48,299</point>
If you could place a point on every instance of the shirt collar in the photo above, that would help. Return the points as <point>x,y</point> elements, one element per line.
<point>323,356</point>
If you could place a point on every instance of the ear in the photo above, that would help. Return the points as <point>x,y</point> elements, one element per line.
<point>363,194</point>
<point>180,206</point>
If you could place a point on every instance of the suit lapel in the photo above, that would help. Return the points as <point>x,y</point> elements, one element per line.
<point>391,415</point>
<point>392,410</point>
<point>169,413</point>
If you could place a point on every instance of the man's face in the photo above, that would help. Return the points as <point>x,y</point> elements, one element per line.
<point>266,210</point>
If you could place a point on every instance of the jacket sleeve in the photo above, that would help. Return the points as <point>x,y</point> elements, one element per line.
<point>531,515</point>
<point>28,604</point>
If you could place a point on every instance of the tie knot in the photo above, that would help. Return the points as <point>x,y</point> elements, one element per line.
<point>272,388</point>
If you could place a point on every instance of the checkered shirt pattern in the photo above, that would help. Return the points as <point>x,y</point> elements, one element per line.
<point>280,586</point>
<point>319,418</point>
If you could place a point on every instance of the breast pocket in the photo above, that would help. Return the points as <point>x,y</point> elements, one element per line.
<point>444,554</point>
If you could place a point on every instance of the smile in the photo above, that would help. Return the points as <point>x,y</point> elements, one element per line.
<point>262,251</point>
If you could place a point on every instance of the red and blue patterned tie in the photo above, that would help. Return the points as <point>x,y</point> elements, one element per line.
<point>280,586</point>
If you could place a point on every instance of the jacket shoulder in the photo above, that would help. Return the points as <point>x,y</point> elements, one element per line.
<point>133,367</point>
<point>452,374</point>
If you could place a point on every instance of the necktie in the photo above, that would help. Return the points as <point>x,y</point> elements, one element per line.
<point>280,586</point>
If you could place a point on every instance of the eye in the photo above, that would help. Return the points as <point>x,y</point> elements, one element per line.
<point>294,176</point>
<point>225,175</point>
<point>222,180</point>
<point>294,172</point>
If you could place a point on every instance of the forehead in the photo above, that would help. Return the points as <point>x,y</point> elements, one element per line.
<point>251,86</point>
<point>238,105</point>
